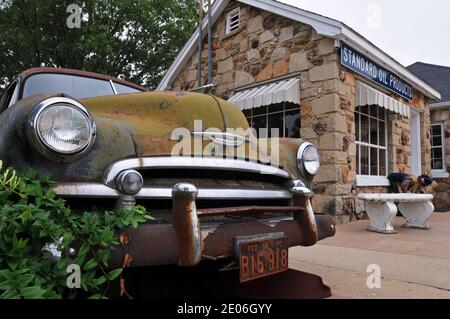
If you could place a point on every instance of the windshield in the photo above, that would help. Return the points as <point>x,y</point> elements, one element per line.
<point>76,86</point>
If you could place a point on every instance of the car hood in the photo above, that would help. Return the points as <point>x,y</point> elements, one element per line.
<point>130,126</point>
<point>152,118</point>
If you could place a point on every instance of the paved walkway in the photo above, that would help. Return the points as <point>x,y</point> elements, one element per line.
<point>413,263</point>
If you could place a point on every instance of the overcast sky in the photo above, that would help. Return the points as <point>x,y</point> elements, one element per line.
<point>408,30</point>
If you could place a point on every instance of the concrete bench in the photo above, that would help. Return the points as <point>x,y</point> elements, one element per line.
<point>382,209</point>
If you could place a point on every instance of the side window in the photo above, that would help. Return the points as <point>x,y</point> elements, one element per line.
<point>10,96</point>
<point>283,116</point>
<point>123,89</point>
<point>15,96</point>
<point>438,148</point>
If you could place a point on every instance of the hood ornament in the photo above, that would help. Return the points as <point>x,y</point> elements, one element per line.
<point>226,139</point>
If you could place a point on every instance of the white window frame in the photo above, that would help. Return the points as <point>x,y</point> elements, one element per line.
<point>372,180</point>
<point>230,15</point>
<point>439,173</point>
<point>269,112</point>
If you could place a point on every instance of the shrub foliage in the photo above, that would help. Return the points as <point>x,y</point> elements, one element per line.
<point>31,217</point>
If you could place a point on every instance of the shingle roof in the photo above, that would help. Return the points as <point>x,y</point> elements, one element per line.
<point>436,75</point>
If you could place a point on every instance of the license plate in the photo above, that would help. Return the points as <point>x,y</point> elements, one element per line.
<point>263,257</point>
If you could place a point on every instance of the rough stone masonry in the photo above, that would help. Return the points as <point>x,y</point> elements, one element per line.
<point>267,46</point>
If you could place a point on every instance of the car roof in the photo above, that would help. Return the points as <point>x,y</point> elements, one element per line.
<point>27,73</point>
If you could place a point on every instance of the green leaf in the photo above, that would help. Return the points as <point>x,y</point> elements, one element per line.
<point>83,251</point>
<point>90,265</point>
<point>99,281</point>
<point>97,297</point>
<point>114,274</point>
<point>26,214</point>
<point>13,263</point>
<point>25,280</point>
<point>9,294</point>
<point>34,292</point>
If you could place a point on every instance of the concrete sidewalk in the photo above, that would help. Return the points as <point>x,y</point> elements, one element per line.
<point>414,263</point>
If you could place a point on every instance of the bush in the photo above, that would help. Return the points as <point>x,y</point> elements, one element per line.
<point>31,217</point>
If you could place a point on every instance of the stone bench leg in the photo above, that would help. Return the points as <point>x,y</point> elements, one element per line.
<point>417,214</point>
<point>381,215</point>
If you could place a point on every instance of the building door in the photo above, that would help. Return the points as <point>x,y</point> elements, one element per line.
<point>416,151</point>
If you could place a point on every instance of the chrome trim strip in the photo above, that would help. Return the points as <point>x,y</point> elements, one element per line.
<point>298,187</point>
<point>93,190</point>
<point>210,163</point>
<point>113,87</point>
<point>226,139</point>
<point>86,190</point>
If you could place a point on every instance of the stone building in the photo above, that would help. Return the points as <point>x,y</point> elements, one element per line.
<point>439,77</point>
<point>318,79</point>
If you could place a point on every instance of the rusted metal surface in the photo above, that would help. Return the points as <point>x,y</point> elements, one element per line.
<point>186,225</point>
<point>150,245</point>
<point>220,242</point>
<point>326,227</point>
<point>153,244</point>
<point>249,210</point>
<point>306,220</point>
<point>156,114</point>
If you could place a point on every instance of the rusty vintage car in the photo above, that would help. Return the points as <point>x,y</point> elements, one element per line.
<point>107,142</point>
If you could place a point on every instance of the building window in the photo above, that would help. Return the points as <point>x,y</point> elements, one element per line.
<point>371,141</point>
<point>283,116</point>
<point>233,20</point>
<point>437,147</point>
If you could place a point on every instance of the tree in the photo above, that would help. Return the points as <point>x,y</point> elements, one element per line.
<point>136,40</point>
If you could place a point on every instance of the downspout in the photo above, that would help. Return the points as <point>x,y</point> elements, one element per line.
<point>209,44</point>
<point>200,42</point>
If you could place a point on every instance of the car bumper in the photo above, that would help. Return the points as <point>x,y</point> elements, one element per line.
<point>187,240</point>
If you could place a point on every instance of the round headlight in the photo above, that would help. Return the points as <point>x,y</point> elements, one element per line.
<point>65,127</point>
<point>308,159</point>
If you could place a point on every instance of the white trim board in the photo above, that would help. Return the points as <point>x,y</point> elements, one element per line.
<point>416,146</point>
<point>324,26</point>
<point>371,181</point>
<point>440,174</point>
<point>440,105</point>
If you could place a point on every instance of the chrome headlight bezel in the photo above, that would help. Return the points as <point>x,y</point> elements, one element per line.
<point>120,182</point>
<point>301,165</point>
<point>37,140</point>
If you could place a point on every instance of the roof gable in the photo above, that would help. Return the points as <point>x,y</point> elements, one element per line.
<point>323,25</point>
<point>438,76</point>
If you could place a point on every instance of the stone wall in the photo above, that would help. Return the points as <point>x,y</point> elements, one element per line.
<point>328,120</point>
<point>442,191</point>
<point>267,46</point>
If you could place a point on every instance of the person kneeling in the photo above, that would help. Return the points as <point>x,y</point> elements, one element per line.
<point>405,183</point>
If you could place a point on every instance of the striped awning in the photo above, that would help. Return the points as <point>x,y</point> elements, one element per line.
<point>366,95</point>
<point>276,92</point>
